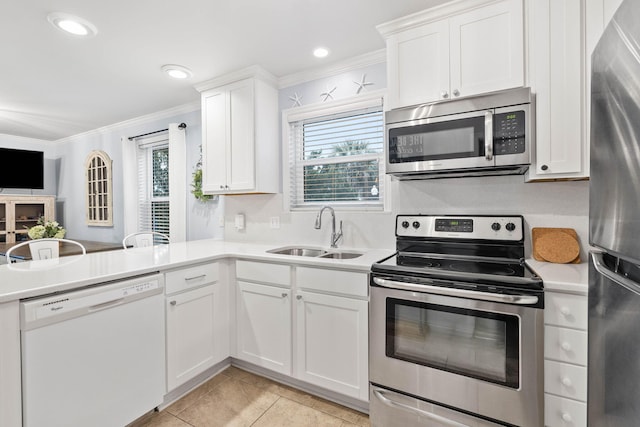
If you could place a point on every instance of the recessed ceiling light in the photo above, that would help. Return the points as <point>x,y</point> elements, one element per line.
<point>320,52</point>
<point>71,24</point>
<point>177,71</point>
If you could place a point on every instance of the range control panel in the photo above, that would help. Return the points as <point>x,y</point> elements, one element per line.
<point>462,227</point>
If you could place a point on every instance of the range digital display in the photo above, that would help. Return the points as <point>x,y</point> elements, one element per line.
<point>454,225</point>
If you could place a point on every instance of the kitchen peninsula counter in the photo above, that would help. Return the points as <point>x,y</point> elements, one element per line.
<point>35,278</point>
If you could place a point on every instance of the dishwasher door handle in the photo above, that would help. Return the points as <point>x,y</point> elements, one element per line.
<point>455,292</point>
<point>106,304</point>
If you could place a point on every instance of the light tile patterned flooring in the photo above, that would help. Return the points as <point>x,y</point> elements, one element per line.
<point>239,398</point>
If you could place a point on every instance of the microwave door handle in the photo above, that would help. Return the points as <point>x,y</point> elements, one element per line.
<point>455,292</point>
<point>488,135</point>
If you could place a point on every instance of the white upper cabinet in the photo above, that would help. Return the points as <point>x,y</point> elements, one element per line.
<point>562,36</point>
<point>240,147</point>
<point>459,49</point>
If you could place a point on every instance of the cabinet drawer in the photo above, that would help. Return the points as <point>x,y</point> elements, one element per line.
<point>565,310</point>
<point>191,277</point>
<point>565,380</point>
<point>561,412</point>
<point>262,272</point>
<point>337,281</point>
<point>565,345</point>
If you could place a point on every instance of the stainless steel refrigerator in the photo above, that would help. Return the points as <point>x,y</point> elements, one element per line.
<point>614,225</point>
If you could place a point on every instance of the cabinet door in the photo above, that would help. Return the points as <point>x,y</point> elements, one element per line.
<point>215,137</point>
<point>190,334</point>
<point>332,343</point>
<point>264,326</point>
<point>418,65</point>
<point>487,49</point>
<point>557,67</point>
<point>4,210</point>
<point>240,163</point>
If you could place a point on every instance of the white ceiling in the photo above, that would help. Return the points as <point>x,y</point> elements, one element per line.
<point>53,85</point>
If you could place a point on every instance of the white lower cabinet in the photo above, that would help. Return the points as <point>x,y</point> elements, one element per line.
<point>264,326</point>
<point>565,364</point>
<point>196,322</point>
<point>332,343</point>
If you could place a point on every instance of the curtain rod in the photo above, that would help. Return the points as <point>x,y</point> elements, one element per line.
<point>180,126</point>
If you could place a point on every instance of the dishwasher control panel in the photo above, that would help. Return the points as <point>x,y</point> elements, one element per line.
<point>35,312</point>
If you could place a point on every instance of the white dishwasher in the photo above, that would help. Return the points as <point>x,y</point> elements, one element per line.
<point>93,357</point>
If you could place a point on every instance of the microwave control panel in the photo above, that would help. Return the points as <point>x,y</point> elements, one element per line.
<point>508,133</point>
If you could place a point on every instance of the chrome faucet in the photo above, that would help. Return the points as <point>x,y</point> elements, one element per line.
<point>334,237</point>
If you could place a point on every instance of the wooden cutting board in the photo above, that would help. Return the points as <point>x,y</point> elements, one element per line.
<point>557,245</point>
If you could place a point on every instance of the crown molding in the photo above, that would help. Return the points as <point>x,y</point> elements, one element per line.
<point>170,112</point>
<point>361,61</point>
<point>254,71</point>
<point>431,14</point>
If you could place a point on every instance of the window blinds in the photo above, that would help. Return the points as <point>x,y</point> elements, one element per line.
<point>338,158</point>
<point>153,187</point>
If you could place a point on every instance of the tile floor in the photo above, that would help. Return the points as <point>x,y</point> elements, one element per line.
<point>239,398</point>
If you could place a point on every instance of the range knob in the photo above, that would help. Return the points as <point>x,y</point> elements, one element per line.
<point>495,226</point>
<point>510,226</point>
<point>405,224</point>
<point>416,224</point>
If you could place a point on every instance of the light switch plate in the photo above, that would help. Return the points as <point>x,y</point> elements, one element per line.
<point>274,222</point>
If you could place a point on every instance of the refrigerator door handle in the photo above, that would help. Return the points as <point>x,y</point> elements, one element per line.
<point>601,268</point>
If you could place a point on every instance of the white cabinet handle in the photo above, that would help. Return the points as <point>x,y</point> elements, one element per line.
<point>444,94</point>
<point>202,276</point>
<point>566,417</point>
<point>565,311</point>
<point>566,381</point>
<point>456,92</point>
<point>565,346</point>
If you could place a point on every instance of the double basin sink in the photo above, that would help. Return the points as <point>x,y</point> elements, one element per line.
<point>314,252</point>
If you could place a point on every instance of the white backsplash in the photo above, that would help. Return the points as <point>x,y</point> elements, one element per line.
<point>544,204</point>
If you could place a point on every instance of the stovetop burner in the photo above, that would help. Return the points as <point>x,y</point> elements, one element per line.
<point>459,265</point>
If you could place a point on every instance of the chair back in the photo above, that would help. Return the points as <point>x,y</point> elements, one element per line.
<point>144,238</point>
<point>43,248</point>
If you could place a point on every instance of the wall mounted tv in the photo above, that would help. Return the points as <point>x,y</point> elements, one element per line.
<point>21,169</point>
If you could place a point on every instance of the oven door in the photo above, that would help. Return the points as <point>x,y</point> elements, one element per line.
<point>460,141</point>
<point>480,357</point>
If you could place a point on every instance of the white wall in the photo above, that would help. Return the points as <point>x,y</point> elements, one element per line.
<point>64,175</point>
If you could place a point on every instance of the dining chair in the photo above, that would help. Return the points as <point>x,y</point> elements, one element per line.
<point>144,238</point>
<point>42,249</point>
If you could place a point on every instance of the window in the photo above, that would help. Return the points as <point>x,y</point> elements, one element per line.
<point>99,200</point>
<point>336,155</point>
<point>153,186</point>
<point>155,182</point>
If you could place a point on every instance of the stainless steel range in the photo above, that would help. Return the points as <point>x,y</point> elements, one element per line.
<point>456,326</point>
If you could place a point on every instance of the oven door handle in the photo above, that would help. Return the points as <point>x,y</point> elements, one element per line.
<point>453,292</point>
<point>437,418</point>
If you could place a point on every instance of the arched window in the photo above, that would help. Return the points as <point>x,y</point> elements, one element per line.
<point>99,189</point>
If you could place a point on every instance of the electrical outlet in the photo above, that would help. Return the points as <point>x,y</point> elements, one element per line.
<point>274,222</point>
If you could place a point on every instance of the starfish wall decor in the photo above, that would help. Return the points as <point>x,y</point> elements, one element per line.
<point>363,83</point>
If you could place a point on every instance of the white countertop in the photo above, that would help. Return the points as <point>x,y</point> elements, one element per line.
<point>29,279</point>
<point>569,278</point>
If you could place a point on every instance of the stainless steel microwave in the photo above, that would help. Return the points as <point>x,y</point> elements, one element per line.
<point>490,134</point>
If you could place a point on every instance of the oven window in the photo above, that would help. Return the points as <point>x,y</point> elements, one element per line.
<point>473,343</point>
<point>451,139</point>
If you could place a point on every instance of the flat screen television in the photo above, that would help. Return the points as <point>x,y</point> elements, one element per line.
<point>21,169</point>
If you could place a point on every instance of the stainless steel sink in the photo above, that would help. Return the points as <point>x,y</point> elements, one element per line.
<point>341,255</point>
<point>298,251</point>
<point>314,252</point>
